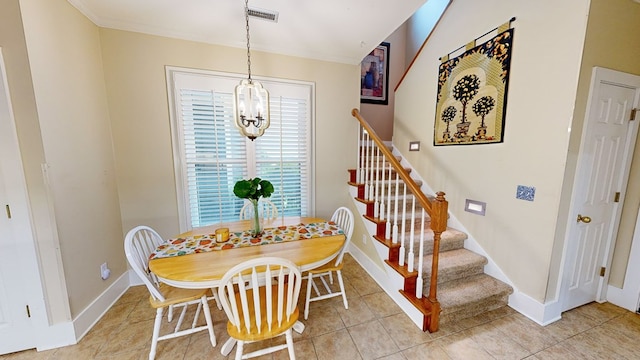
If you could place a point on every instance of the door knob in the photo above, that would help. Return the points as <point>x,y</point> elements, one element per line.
<point>584,219</point>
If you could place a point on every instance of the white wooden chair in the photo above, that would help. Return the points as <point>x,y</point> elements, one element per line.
<point>139,243</point>
<point>343,217</point>
<point>267,209</point>
<point>260,298</point>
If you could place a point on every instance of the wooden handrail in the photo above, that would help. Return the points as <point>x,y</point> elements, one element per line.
<point>415,189</point>
<point>438,212</point>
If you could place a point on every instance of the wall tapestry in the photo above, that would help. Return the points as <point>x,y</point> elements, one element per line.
<point>472,92</point>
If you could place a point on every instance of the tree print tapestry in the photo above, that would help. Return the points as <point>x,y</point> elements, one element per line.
<point>472,93</point>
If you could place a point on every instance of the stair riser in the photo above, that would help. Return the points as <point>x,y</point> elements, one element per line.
<point>379,175</point>
<point>444,245</point>
<point>383,188</point>
<point>448,316</point>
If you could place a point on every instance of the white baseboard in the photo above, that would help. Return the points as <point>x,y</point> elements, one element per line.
<point>629,296</point>
<point>92,313</point>
<point>134,279</point>
<point>624,298</point>
<point>542,314</point>
<point>55,336</point>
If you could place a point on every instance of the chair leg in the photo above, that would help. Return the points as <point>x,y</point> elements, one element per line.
<point>306,303</point>
<point>156,333</point>
<point>344,294</point>
<point>228,345</point>
<point>170,314</point>
<point>289,337</point>
<point>215,296</point>
<point>209,320</point>
<point>239,349</point>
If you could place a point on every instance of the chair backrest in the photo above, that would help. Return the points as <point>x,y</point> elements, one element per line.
<point>139,243</point>
<point>247,292</point>
<point>343,217</point>
<point>268,210</point>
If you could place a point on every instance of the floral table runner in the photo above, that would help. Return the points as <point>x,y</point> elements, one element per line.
<point>205,243</point>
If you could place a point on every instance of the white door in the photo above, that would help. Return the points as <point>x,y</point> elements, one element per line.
<point>19,277</point>
<point>603,167</point>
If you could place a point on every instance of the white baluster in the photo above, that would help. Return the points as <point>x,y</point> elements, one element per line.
<point>382,182</point>
<point>420,281</point>
<point>387,228</point>
<point>413,220</point>
<point>366,167</point>
<point>404,218</point>
<point>359,169</point>
<point>394,237</point>
<point>372,170</point>
<point>376,196</point>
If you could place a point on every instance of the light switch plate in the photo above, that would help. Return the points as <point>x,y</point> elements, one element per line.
<point>414,146</point>
<point>525,192</point>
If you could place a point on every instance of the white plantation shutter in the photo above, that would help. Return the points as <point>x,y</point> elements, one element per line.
<point>283,156</point>
<point>213,155</point>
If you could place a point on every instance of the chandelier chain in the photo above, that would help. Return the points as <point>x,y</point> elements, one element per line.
<point>246,16</point>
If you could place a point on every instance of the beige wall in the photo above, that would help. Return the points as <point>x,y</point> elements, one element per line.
<point>68,83</point>
<point>380,117</point>
<point>613,35</point>
<point>19,78</point>
<point>136,88</point>
<point>420,24</point>
<point>518,235</point>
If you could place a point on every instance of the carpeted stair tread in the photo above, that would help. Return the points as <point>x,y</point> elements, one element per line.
<point>471,296</point>
<point>451,239</point>
<point>454,265</point>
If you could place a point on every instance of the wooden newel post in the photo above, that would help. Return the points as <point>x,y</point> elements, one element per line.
<point>439,217</point>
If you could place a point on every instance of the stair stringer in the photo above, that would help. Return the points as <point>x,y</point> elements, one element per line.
<point>543,314</point>
<point>387,278</point>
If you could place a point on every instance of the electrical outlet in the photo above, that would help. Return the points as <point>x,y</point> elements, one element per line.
<point>364,238</point>
<point>104,271</point>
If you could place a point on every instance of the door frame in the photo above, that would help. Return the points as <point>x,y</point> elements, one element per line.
<point>599,75</point>
<point>21,211</point>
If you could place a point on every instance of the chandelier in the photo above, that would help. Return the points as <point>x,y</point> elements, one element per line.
<point>251,100</point>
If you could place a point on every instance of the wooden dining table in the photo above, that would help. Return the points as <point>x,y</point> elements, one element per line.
<point>205,269</point>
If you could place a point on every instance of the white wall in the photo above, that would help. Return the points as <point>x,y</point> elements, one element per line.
<point>518,235</point>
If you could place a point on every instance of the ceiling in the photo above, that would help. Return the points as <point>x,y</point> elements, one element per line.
<point>332,30</point>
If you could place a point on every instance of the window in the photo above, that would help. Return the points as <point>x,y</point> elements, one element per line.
<point>211,154</point>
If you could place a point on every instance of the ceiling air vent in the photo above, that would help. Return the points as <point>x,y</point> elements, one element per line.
<point>263,14</point>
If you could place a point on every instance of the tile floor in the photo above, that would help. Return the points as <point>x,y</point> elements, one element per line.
<point>373,328</point>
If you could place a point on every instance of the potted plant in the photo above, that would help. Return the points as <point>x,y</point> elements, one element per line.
<point>253,190</point>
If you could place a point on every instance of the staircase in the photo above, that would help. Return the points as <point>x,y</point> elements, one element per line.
<point>411,228</point>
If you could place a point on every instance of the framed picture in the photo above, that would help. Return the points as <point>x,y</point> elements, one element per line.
<point>374,76</point>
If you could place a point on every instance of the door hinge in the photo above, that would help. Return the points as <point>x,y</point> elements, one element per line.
<point>8,211</point>
<point>28,312</point>
<point>633,114</point>
<point>616,198</point>
<point>602,270</point>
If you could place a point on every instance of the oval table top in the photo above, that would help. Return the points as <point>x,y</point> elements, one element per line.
<point>204,270</point>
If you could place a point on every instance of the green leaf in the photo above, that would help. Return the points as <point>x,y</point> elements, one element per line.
<point>253,188</point>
